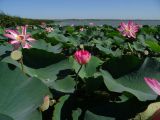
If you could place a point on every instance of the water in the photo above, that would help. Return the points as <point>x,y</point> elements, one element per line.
<point>114,23</point>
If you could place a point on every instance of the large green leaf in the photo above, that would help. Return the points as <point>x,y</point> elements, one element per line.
<point>20,95</point>
<point>48,74</point>
<point>4,48</point>
<point>109,51</point>
<point>134,82</point>
<point>153,45</point>
<point>58,37</point>
<point>41,44</point>
<point>138,46</point>
<point>65,85</point>
<point>142,38</point>
<point>4,117</point>
<point>38,58</point>
<point>119,111</point>
<point>91,116</point>
<point>123,65</point>
<point>58,107</point>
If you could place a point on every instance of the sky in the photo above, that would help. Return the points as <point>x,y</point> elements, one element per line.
<point>82,9</point>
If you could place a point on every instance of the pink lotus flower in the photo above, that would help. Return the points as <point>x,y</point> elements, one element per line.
<point>91,24</point>
<point>129,29</point>
<point>19,39</point>
<point>153,84</point>
<point>82,56</point>
<point>81,29</point>
<point>49,29</point>
<point>43,24</point>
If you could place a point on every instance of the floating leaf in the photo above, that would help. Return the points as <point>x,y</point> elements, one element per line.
<point>153,45</point>
<point>48,74</point>
<point>109,51</point>
<point>4,48</point>
<point>41,44</point>
<point>65,85</point>
<point>20,95</point>
<point>134,82</point>
<point>119,66</point>
<point>4,117</point>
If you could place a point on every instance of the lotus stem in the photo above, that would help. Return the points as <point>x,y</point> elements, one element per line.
<point>22,67</point>
<point>21,61</point>
<point>129,46</point>
<point>76,78</point>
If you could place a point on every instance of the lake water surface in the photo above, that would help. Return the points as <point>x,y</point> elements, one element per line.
<point>107,22</point>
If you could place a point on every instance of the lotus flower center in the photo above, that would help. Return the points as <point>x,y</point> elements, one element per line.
<point>20,37</point>
<point>127,29</point>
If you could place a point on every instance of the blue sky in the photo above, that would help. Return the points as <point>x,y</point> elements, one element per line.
<point>98,9</point>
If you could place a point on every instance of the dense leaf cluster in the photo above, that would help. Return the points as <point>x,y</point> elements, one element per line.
<point>111,86</point>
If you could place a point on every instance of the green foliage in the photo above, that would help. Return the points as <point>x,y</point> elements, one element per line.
<point>153,45</point>
<point>89,69</point>
<point>110,84</point>
<point>10,21</point>
<point>65,85</point>
<point>19,97</point>
<point>119,66</point>
<point>4,117</point>
<point>48,74</point>
<point>134,82</point>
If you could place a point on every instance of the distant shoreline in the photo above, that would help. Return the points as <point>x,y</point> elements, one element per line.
<point>103,19</point>
<point>112,22</point>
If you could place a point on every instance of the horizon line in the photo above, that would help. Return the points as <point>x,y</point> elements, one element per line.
<point>1,12</point>
<point>61,19</point>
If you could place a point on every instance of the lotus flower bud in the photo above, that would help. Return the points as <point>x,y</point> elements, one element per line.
<point>82,56</point>
<point>45,105</point>
<point>16,55</point>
